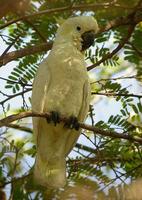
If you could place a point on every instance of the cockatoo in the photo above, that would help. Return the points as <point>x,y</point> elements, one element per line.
<point>61,85</point>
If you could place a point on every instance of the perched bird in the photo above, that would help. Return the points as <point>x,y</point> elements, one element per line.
<point>61,85</point>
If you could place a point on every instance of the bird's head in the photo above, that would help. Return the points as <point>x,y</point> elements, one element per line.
<point>79,30</point>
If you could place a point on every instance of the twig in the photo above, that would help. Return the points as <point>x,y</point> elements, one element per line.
<point>120,45</point>
<point>12,43</point>
<point>117,78</point>
<point>21,128</point>
<point>36,30</point>
<point>123,174</point>
<point>86,148</point>
<point>97,159</point>
<point>13,172</point>
<point>15,95</point>
<point>14,180</point>
<point>117,94</point>
<point>17,82</point>
<point>7,120</point>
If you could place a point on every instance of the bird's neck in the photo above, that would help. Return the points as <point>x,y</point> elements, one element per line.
<point>71,41</point>
<point>68,49</point>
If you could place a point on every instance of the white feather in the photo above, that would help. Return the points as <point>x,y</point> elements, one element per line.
<point>61,84</point>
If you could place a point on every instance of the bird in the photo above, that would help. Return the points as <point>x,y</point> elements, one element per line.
<point>61,87</point>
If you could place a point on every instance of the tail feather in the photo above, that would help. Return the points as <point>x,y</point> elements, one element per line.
<point>50,173</point>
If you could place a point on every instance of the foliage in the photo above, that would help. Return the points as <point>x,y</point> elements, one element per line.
<point>100,168</point>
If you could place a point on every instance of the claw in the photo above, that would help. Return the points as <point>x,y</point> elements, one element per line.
<point>72,123</point>
<point>55,118</point>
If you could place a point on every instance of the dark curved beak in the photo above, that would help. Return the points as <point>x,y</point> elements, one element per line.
<point>87,39</point>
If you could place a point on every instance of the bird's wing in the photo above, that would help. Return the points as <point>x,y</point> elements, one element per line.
<point>85,101</point>
<point>39,93</point>
<point>81,117</point>
<point>50,167</point>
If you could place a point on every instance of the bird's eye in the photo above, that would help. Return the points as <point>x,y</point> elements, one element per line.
<point>78,28</point>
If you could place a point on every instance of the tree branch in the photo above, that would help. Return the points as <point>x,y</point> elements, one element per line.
<point>117,78</point>
<point>117,94</point>
<point>36,30</point>
<point>121,21</point>
<point>120,45</point>
<point>12,43</point>
<point>15,95</point>
<point>98,159</point>
<point>17,82</point>
<point>7,120</point>
<point>81,7</point>
<point>24,52</point>
<point>21,128</point>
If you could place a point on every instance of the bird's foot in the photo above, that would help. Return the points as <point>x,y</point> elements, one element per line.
<point>54,117</point>
<point>72,123</point>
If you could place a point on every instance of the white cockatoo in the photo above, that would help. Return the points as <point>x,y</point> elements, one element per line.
<point>62,86</point>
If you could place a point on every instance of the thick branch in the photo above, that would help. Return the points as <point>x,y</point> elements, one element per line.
<point>7,120</point>
<point>24,52</point>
